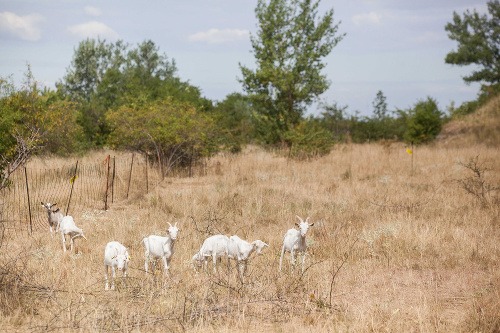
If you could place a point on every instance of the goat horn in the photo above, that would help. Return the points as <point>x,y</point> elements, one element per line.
<point>300,219</point>
<point>169,224</point>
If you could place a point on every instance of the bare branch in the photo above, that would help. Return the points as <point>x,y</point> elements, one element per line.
<point>24,148</point>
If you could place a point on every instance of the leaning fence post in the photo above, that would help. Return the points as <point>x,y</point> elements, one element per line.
<point>147,179</point>
<point>29,203</point>
<point>130,174</point>
<point>113,181</point>
<point>107,185</point>
<point>72,181</point>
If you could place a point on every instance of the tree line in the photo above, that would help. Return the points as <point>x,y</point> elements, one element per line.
<point>131,97</point>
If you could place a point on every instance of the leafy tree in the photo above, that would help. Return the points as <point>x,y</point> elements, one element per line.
<point>380,123</point>
<point>91,60</point>
<point>380,106</point>
<point>424,122</point>
<point>173,132</point>
<point>234,116</point>
<point>105,76</point>
<point>16,143</point>
<point>61,134</point>
<point>478,38</point>
<point>335,119</point>
<point>289,46</point>
<point>309,139</point>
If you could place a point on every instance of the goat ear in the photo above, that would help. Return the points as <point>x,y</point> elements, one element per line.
<point>297,224</point>
<point>42,203</point>
<point>311,224</point>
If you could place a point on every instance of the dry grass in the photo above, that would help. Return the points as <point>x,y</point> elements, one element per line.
<point>391,250</point>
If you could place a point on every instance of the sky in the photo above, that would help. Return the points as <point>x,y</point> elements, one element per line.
<point>394,46</point>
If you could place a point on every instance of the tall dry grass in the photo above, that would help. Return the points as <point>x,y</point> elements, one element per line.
<point>392,249</point>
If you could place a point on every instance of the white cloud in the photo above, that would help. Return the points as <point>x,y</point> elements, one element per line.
<point>92,11</point>
<point>93,29</point>
<point>218,36</point>
<point>25,27</point>
<point>367,18</point>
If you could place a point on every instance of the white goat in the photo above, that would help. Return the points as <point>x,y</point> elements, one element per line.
<point>158,247</point>
<point>115,256</point>
<point>54,217</point>
<point>68,227</point>
<point>240,250</point>
<point>295,241</point>
<point>215,247</point>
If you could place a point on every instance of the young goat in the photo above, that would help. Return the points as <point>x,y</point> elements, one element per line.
<point>240,250</point>
<point>68,227</point>
<point>115,256</point>
<point>158,247</point>
<point>54,217</point>
<point>295,241</point>
<point>215,247</point>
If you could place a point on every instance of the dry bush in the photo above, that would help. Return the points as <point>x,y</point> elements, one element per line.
<point>392,249</point>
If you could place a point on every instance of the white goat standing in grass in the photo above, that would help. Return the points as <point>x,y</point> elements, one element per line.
<point>240,250</point>
<point>54,217</point>
<point>68,227</point>
<point>115,256</point>
<point>158,247</point>
<point>214,246</point>
<point>295,241</point>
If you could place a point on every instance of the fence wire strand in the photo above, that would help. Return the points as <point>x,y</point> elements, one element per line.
<point>89,189</point>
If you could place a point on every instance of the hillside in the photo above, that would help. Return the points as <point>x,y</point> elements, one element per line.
<point>481,127</point>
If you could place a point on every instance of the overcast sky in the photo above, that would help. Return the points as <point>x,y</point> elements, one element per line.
<point>396,46</point>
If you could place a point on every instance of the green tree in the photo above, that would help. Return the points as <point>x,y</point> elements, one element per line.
<point>91,60</point>
<point>289,48</point>
<point>17,143</point>
<point>173,132</point>
<point>105,76</point>
<point>478,38</point>
<point>309,139</point>
<point>234,116</point>
<point>60,132</point>
<point>424,122</point>
<point>334,118</point>
<point>380,106</point>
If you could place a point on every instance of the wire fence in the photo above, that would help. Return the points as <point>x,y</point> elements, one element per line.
<point>75,189</point>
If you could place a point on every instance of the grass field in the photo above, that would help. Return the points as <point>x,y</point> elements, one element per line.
<point>401,243</point>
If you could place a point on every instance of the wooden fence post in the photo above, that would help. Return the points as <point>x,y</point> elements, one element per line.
<point>107,185</point>
<point>29,203</point>
<point>147,178</point>
<point>72,181</point>
<point>130,174</point>
<point>113,181</point>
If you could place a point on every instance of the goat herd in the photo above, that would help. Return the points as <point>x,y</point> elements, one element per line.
<point>116,255</point>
